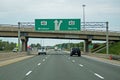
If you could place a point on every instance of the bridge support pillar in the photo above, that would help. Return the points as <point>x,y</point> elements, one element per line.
<point>87,43</point>
<point>24,43</point>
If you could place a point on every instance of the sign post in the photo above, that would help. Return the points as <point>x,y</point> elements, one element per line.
<point>57,24</point>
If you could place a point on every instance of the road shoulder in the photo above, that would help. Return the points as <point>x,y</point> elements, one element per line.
<point>101,59</point>
<point>112,62</point>
<point>10,61</point>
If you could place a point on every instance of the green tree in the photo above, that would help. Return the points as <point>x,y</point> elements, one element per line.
<point>38,45</point>
<point>6,46</point>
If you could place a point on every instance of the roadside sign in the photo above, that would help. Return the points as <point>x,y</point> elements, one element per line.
<point>57,24</point>
<point>90,46</point>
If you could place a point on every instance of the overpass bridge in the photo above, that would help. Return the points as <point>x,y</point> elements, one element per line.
<point>29,32</point>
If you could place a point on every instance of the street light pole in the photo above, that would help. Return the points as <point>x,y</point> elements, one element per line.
<point>107,41</point>
<point>84,24</point>
<point>18,36</point>
<point>83,16</point>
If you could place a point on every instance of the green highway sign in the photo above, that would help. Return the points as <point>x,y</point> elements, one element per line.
<point>90,46</point>
<point>57,24</point>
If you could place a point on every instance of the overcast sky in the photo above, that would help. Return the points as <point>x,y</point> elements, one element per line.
<point>13,11</point>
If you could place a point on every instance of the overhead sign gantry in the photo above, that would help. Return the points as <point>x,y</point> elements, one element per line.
<point>57,24</point>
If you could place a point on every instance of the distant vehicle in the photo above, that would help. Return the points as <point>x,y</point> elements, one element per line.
<point>56,48</point>
<point>59,49</point>
<point>42,50</point>
<point>15,50</point>
<point>75,51</point>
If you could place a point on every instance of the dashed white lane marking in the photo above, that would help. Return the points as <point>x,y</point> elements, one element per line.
<point>73,61</point>
<point>39,64</point>
<point>98,76</point>
<point>43,59</point>
<point>80,65</point>
<point>69,58</point>
<point>28,73</point>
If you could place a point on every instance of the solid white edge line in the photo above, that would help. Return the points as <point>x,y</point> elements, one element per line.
<point>81,65</point>
<point>28,73</point>
<point>39,64</point>
<point>98,76</point>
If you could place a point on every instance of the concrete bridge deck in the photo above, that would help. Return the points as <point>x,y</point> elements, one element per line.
<point>29,32</point>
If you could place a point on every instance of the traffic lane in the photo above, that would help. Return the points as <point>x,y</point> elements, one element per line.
<point>107,71</point>
<point>58,67</point>
<point>17,71</point>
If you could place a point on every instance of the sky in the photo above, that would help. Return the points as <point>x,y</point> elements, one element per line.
<point>14,11</point>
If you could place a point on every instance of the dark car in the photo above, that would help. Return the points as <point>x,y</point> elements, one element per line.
<point>75,51</point>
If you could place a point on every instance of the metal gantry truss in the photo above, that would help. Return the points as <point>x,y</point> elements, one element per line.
<point>86,24</point>
<point>94,25</point>
<point>98,25</point>
<point>26,24</point>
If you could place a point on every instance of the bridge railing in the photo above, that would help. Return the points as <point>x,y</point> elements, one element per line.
<point>31,28</point>
<point>22,26</point>
<point>8,27</point>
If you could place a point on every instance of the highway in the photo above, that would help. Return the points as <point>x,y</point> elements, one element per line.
<point>59,66</point>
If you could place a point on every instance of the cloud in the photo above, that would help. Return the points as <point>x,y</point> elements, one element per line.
<point>56,6</point>
<point>28,10</point>
<point>12,11</point>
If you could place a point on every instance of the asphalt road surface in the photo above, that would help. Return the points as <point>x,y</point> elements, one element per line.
<point>59,66</point>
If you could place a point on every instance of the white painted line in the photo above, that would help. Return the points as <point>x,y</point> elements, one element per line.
<point>80,65</point>
<point>39,64</point>
<point>69,58</point>
<point>43,59</point>
<point>73,61</point>
<point>98,76</point>
<point>28,73</point>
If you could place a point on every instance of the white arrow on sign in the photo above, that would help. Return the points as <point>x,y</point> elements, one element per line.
<point>57,24</point>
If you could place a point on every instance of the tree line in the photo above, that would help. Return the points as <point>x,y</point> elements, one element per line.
<point>7,46</point>
<point>70,45</point>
